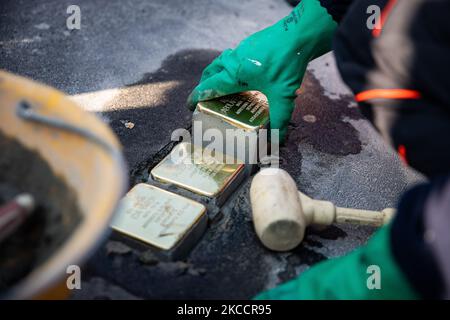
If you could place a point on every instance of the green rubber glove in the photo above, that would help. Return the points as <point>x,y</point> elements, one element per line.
<point>346,277</point>
<point>272,61</point>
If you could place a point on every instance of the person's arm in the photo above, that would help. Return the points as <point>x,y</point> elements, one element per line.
<point>399,76</point>
<point>349,277</point>
<point>273,61</point>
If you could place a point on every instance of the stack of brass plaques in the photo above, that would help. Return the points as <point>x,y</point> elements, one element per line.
<point>170,223</point>
<point>198,170</point>
<point>243,114</point>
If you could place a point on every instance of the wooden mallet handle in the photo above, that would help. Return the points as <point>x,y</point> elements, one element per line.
<point>321,212</point>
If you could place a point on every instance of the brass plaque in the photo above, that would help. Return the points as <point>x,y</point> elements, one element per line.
<point>247,110</point>
<point>197,170</point>
<point>155,216</point>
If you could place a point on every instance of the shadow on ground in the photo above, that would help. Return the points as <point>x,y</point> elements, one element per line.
<point>164,94</point>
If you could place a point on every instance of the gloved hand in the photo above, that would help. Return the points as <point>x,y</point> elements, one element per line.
<point>272,61</point>
<point>346,277</point>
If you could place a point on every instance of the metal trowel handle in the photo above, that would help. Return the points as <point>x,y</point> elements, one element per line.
<point>14,213</point>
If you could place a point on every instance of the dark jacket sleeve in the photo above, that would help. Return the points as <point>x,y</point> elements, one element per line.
<point>336,8</point>
<point>409,53</point>
<point>420,241</point>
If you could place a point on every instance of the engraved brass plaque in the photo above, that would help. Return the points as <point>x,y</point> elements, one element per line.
<point>247,110</point>
<point>155,216</point>
<point>191,167</point>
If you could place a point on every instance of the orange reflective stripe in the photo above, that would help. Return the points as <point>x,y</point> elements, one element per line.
<point>387,94</point>
<point>402,153</point>
<point>384,14</point>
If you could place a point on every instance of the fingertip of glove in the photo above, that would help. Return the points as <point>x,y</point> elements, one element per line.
<point>283,135</point>
<point>191,103</point>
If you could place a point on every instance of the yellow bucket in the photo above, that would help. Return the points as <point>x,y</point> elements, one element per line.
<point>71,162</point>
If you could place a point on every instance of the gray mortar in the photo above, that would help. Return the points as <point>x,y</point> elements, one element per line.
<point>52,222</point>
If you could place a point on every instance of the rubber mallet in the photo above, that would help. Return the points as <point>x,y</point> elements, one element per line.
<point>281,212</point>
